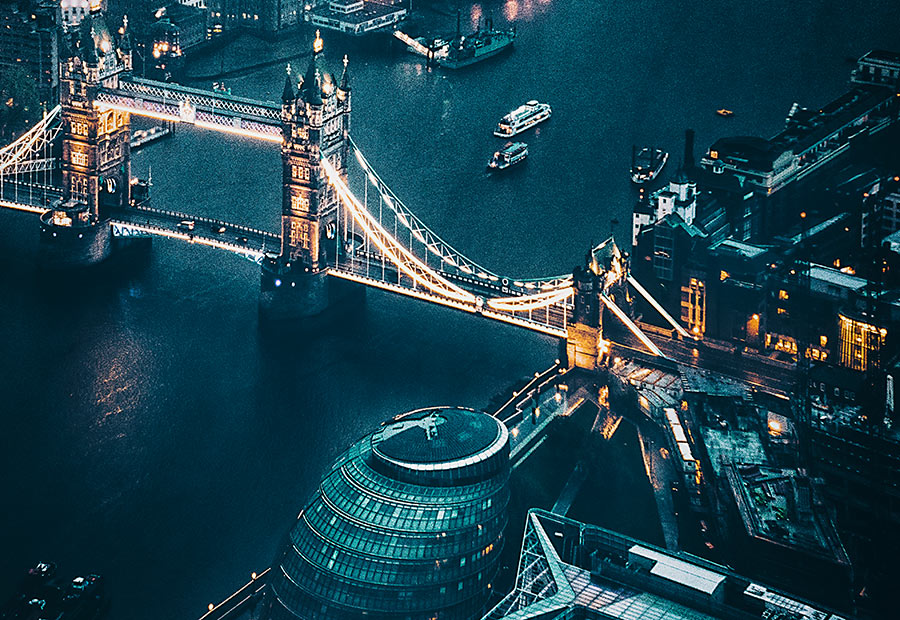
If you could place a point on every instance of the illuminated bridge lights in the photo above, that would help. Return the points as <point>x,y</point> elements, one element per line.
<point>428,237</point>
<point>236,131</point>
<point>437,288</point>
<point>540,304</point>
<point>620,314</point>
<point>13,153</point>
<point>531,302</point>
<point>397,254</point>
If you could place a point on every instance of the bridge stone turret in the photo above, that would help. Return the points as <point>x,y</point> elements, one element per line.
<point>95,162</point>
<point>316,125</point>
<point>605,273</point>
<point>583,344</point>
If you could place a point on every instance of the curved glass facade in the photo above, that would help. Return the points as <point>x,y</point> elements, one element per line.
<point>408,524</point>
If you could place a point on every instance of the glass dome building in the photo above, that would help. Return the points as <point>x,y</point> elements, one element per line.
<point>407,525</point>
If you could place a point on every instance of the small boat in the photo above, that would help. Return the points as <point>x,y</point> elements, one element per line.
<point>522,118</point>
<point>42,595</point>
<point>647,163</point>
<point>725,113</point>
<point>512,153</point>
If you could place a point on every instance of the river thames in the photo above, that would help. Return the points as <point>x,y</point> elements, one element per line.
<point>155,434</point>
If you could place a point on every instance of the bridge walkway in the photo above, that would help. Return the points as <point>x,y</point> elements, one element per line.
<point>139,221</point>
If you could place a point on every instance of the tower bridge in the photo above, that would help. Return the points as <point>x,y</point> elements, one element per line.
<point>73,169</point>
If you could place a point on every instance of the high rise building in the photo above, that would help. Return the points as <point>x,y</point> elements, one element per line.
<point>29,39</point>
<point>407,525</point>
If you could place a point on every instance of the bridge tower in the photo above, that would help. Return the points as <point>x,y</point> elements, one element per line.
<point>583,345</point>
<point>95,162</point>
<point>316,125</point>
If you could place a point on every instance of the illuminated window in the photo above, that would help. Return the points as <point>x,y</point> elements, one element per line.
<point>823,341</point>
<point>300,234</point>
<point>782,311</point>
<point>860,344</point>
<point>714,154</point>
<point>783,294</point>
<point>79,159</point>
<point>693,306</point>
<point>724,275</point>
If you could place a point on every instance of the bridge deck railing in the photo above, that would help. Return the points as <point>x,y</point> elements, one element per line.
<point>181,216</point>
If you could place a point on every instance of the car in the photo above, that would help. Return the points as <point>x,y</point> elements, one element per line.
<point>186,224</point>
<point>243,240</point>
<point>218,229</point>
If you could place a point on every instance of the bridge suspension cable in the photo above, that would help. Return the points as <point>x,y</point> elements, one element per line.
<point>537,301</point>
<point>407,262</point>
<point>440,248</point>
<point>27,167</point>
<point>620,314</point>
<point>36,137</point>
<point>662,311</point>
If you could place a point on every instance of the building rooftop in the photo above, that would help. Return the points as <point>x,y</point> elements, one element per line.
<point>807,130</point>
<point>818,228</point>
<point>732,446</point>
<point>778,505</point>
<point>732,246</point>
<point>437,436</point>
<point>758,153</point>
<point>679,571</point>
<point>569,569</point>
<point>712,384</point>
<point>881,55</point>
<point>372,10</point>
<point>835,277</point>
<point>659,388</point>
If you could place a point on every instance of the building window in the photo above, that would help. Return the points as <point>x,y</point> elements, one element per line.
<point>79,159</point>
<point>693,307</point>
<point>860,343</point>
<point>662,253</point>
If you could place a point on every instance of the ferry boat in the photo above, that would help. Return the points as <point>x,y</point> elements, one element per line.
<point>647,163</point>
<point>512,153</point>
<point>522,118</point>
<point>725,113</point>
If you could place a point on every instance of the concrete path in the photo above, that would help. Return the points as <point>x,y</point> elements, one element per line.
<point>570,491</point>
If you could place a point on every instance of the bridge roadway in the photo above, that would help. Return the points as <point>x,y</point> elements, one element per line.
<point>369,268</point>
<point>365,267</point>
<point>29,197</point>
<point>766,374</point>
<point>140,221</point>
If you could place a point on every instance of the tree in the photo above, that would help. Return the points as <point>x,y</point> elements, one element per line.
<point>20,105</point>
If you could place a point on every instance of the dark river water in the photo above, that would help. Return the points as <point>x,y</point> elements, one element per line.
<point>153,433</point>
